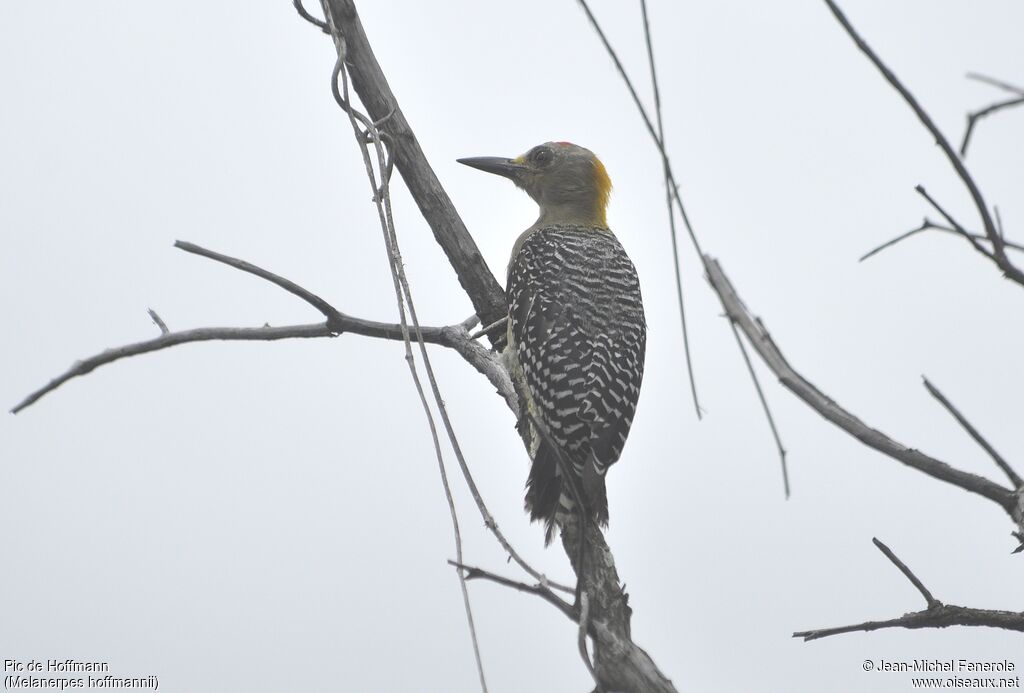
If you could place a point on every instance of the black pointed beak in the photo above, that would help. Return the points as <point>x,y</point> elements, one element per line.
<point>495,164</point>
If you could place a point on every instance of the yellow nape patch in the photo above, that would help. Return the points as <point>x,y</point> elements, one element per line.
<point>603,185</point>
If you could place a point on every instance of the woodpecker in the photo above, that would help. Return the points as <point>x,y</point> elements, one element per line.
<point>576,328</point>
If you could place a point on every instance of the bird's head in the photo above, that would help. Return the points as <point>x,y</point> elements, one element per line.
<point>568,182</point>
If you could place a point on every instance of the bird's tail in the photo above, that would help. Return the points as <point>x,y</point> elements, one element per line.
<point>547,496</point>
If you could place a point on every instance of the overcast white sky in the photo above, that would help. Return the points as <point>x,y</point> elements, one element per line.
<point>268,516</point>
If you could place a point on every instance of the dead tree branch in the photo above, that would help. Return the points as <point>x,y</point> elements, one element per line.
<point>541,589</point>
<point>454,336</point>
<point>974,116</point>
<point>929,225</point>
<point>973,432</point>
<point>936,615</point>
<point>668,197</point>
<point>170,339</point>
<point>758,337</point>
<point>451,234</point>
<point>998,252</point>
<point>764,406</point>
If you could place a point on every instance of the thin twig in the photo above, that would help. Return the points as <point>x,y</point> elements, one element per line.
<point>540,589</point>
<point>170,339</point>
<point>928,598</point>
<point>974,116</point>
<point>158,321</point>
<point>928,225</point>
<point>764,405</point>
<point>957,228</point>
<point>998,253</point>
<point>291,287</point>
<point>647,122</point>
<point>1000,461</point>
<point>671,212</point>
<point>998,83</point>
<point>500,322</point>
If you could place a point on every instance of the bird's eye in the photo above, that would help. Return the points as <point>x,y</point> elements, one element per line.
<point>541,156</point>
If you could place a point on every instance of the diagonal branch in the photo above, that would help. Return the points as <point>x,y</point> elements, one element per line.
<point>957,228</point>
<point>451,234</point>
<point>764,406</point>
<point>974,116</point>
<point>998,253</point>
<point>907,572</point>
<point>929,225</point>
<point>770,354</point>
<point>998,83</point>
<point>936,615</point>
<point>541,589</point>
<point>291,287</point>
<point>973,432</point>
<point>170,339</point>
<point>668,200</point>
<point>454,337</point>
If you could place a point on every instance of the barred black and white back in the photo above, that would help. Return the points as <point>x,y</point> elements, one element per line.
<point>577,335</point>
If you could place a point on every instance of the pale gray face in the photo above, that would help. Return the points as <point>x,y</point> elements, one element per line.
<point>560,173</point>
<point>563,178</point>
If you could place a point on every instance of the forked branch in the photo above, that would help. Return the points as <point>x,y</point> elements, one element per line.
<point>935,615</point>
<point>992,232</point>
<point>929,225</point>
<point>453,336</point>
<point>974,116</point>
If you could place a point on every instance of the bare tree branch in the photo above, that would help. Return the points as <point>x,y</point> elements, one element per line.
<point>455,337</point>
<point>158,321</point>
<point>764,406</point>
<point>766,348</point>
<point>998,253</point>
<point>541,589</point>
<point>668,200</point>
<point>973,432</point>
<point>974,116</point>
<point>928,598</point>
<point>957,227</point>
<point>998,83</point>
<point>291,287</point>
<point>936,615</point>
<point>372,87</point>
<point>928,225</point>
<point>170,339</point>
